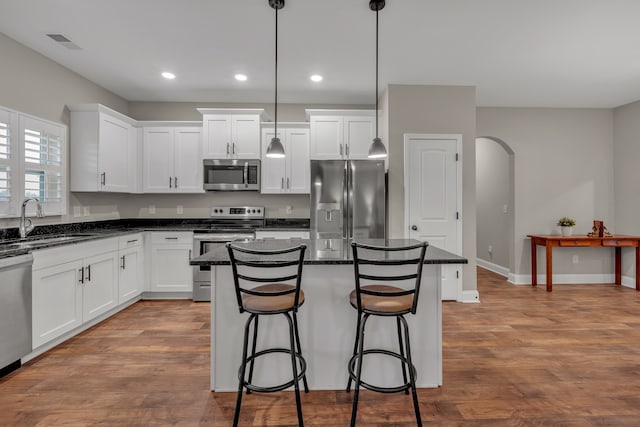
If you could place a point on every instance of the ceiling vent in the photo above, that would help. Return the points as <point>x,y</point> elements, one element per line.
<point>64,41</point>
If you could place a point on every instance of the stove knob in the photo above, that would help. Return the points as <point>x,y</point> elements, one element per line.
<point>215,211</point>
<point>258,210</point>
<point>253,211</point>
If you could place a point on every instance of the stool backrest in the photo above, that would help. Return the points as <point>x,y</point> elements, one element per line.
<point>383,260</point>
<point>254,267</point>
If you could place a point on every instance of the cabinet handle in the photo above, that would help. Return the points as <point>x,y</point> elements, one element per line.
<point>288,183</point>
<point>341,149</point>
<point>81,271</point>
<point>282,183</point>
<point>103,178</point>
<point>175,182</point>
<point>189,253</point>
<point>132,241</point>
<point>170,238</point>
<point>123,262</point>
<point>170,186</point>
<point>346,149</point>
<point>89,273</point>
<point>234,148</point>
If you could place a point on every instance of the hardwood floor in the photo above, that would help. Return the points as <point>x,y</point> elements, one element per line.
<point>522,357</point>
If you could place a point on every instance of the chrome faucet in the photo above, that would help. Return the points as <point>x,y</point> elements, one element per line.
<point>25,228</point>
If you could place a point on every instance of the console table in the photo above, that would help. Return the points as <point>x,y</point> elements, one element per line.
<point>617,242</point>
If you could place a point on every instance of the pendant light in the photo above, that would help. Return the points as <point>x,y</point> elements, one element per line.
<point>275,148</point>
<point>377,149</point>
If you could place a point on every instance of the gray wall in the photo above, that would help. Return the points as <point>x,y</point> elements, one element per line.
<point>626,160</point>
<point>493,185</point>
<point>563,166</point>
<point>436,110</point>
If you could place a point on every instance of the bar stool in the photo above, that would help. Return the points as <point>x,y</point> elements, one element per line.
<point>385,264</point>
<point>270,297</point>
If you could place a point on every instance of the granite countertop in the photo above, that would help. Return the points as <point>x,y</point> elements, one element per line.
<point>325,251</point>
<point>48,236</point>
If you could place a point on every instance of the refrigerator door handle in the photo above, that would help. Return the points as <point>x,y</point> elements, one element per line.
<point>345,201</point>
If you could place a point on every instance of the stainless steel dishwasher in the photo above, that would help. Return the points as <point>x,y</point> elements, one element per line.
<point>15,311</point>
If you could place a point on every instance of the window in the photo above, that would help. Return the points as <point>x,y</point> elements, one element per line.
<point>32,163</point>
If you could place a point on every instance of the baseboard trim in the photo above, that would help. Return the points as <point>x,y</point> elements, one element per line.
<point>498,269</point>
<point>149,295</point>
<point>470,297</point>
<point>563,279</point>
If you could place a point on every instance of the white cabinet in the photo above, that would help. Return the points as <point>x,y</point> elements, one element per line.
<point>231,133</point>
<point>291,173</point>
<point>172,159</point>
<point>169,264</point>
<point>72,285</point>
<point>131,267</point>
<point>104,150</point>
<point>282,234</point>
<point>340,134</point>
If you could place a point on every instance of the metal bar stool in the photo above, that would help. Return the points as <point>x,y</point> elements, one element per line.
<point>270,296</point>
<point>384,264</point>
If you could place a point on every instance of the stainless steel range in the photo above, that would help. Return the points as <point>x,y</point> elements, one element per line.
<point>228,224</point>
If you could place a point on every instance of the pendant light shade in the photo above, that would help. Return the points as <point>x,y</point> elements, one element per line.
<point>275,148</point>
<point>377,150</point>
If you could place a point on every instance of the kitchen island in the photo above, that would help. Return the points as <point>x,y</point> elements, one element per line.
<point>327,322</point>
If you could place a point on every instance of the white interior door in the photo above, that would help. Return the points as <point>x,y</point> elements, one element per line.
<point>433,190</point>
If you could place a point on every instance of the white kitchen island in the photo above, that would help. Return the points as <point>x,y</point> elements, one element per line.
<point>327,322</point>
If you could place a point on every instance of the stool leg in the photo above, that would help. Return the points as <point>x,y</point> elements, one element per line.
<point>294,368</point>
<point>253,351</point>
<point>404,368</point>
<point>412,376</point>
<point>360,341</point>
<point>243,367</point>
<point>355,349</point>
<point>295,326</point>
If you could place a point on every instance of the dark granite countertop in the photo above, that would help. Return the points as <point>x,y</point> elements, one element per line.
<point>48,236</point>
<point>325,251</point>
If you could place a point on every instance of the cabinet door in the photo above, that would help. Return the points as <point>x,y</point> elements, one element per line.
<point>298,174</point>
<point>272,170</point>
<point>100,289</point>
<point>326,134</point>
<point>217,136</point>
<point>187,160</point>
<point>158,160</point>
<point>113,150</point>
<point>131,274</point>
<point>57,301</point>
<point>170,269</point>
<point>245,136</point>
<point>358,134</point>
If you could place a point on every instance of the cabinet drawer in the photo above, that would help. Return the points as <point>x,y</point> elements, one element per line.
<point>616,242</point>
<point>579,242</point>
<point>73,251</point>
<point>172,237</point>
<point>129,241</point>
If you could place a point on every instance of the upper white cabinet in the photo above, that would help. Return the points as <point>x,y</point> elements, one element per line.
<point>340,134</point>
<point>172,159</point>
<point>291,173</point>
<point>104,150</point>
<point>231,133</point>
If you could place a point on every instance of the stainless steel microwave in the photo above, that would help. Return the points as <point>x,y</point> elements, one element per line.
<point>231,175</point>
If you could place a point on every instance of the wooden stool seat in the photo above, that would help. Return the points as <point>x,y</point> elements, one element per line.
<point>384,304</point>
<point>263,303</point>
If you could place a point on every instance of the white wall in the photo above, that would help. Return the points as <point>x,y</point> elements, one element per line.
<point>563,163</point>
<point>493,185</point>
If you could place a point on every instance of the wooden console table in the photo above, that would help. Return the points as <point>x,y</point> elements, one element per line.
<point>617,242</point>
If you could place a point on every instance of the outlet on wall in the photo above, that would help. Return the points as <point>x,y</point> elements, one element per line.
<point>289,210</point>
<point>180,210</point>
<point>576,259</point>
<point>152,209</point>
<point>77,211</point>
<point>86,211</point>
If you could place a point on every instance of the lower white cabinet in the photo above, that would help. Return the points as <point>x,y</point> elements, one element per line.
<point>72,285</point>
<point>130,267</point>
<point>170,255</point>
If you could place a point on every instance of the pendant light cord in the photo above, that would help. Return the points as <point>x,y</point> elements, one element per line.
<point>276,85</point>
<point>377,72</point>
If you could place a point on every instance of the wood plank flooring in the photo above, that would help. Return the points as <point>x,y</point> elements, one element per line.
<point>522,357</point>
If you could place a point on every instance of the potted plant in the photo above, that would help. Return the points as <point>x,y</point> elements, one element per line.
<point>566,225</point>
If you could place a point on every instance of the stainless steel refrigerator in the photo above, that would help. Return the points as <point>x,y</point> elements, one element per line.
<point>348,199</point>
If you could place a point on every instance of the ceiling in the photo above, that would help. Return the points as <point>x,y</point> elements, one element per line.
<point>541,53</point>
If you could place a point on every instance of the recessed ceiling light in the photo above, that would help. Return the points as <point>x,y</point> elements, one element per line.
<point>240,77</point>
<point>169,76</point>
<point>316,78</point>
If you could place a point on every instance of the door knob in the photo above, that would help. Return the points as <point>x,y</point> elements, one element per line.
<point>414,227</point>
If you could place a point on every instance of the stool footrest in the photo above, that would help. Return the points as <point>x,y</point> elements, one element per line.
<point>279,387</point>
<point>397,389</point>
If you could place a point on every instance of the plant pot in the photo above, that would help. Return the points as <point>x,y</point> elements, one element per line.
<point>566,230</point>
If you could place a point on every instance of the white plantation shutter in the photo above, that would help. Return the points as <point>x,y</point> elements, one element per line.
<point>43,147</point>
<point>9,162</point>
